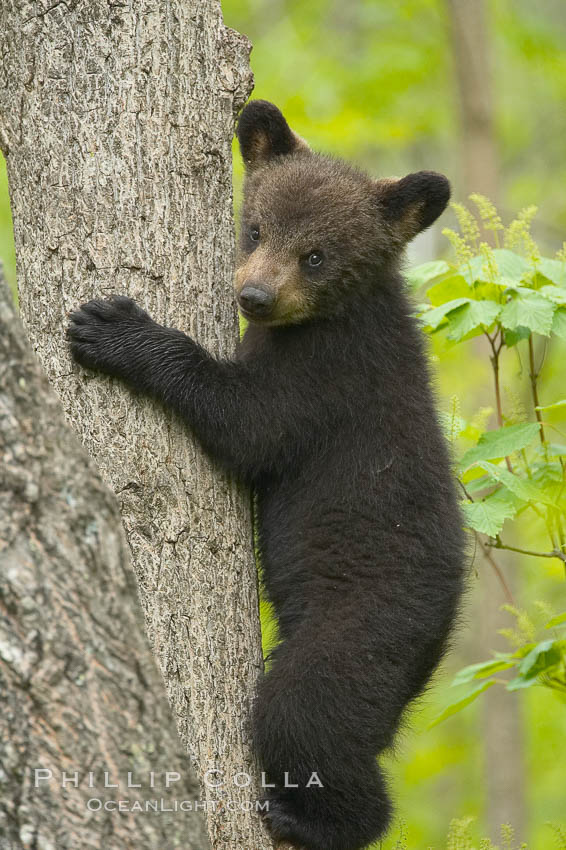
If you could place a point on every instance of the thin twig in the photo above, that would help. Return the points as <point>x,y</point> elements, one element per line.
<point>487,554</point>
<point>533,374</point>
<point>466,494</point>
<point>526,463</point>
<point>556,553</point>
<point>496,568</point>
<point>496,350</point>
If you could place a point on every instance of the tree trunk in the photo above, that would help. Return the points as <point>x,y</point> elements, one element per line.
<point>116,122</point>
<point>472,67</point>
<point>79,689</point>
<point>504,761</point>
<point>502,724</point>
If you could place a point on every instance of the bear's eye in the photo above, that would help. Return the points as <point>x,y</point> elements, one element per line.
<point>254,234</point>
<point>315,259</point>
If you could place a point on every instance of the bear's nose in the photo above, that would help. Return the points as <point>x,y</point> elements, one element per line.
<point>256,300</point>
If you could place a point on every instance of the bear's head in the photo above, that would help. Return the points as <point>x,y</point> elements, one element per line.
<point>315,230</point>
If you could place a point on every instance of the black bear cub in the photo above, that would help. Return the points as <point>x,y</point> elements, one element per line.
<point>327,413</point>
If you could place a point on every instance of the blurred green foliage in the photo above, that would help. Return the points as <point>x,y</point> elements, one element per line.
<point>511,299</point>
<point>373,81</point>
<point>460,837</point>
<point>512,296</point>
<point>7,251</point>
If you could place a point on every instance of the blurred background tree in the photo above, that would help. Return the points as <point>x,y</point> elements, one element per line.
<point>479,171</point>
<point>475,89</point>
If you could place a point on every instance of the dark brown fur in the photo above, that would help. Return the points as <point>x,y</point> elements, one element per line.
<point>327,413</point>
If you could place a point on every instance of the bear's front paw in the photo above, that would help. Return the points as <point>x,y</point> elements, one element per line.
<point>102,332</point>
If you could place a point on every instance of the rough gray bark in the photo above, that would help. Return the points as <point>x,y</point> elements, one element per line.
<point>79,689</point>
<point>116,120</point>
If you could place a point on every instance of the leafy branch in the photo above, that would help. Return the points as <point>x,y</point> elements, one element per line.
<point>510,295</point>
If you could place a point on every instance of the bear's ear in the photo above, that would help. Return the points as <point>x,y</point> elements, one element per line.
<point>263,134</point>
<point>413,203</point>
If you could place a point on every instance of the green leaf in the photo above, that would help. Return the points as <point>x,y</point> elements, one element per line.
<point>556,621</point>
<point>483,291</point>
<point>513,337</point>
<point>523,650</point>
<point>510,264</point>
<point>559,323</point>
<point>528,309</point>
<point>554,293</point>
<point>476,486</point>
<point>557,449</point>
<point>501,442</point>
<point>488,516</point>
<point>419,275</point>
<point>548,473</point>
<point>448,288</point>
<point>512,285</point>
<point>455,707</point>
<point>469,317</point>
<point>473,269</point>
<point>520,487</point>
<point>554,270</point>
<point>432,318</point>
<point>561,403</point>
<point>538,282</point>
<point>483,669</point>
<point>520,682</point>
<point>511,267</point>
<point>544,656</point>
